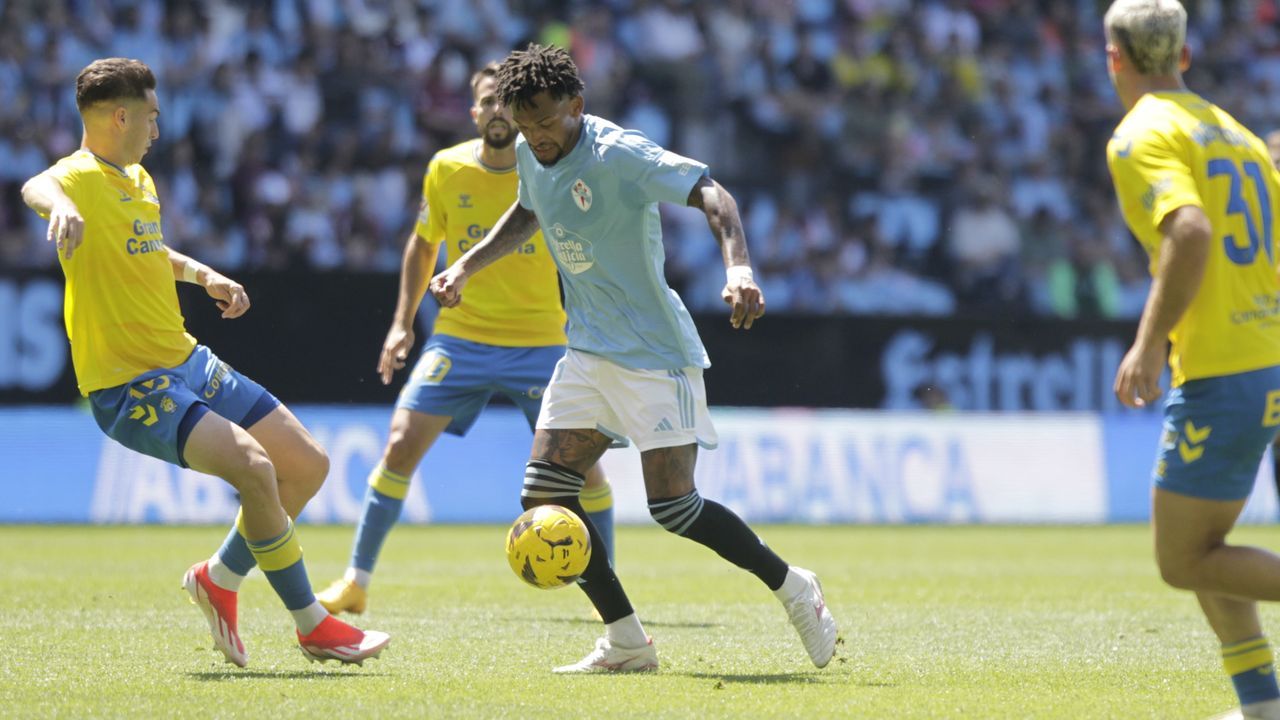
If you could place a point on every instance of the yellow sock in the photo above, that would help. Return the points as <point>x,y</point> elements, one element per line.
<point>280,558</point>
<point>275,553</point>
<point>393,485</point>
<point>596,500</point>
<point>1251,665</point>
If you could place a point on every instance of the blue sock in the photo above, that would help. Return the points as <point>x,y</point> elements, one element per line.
<point>598,502</point>
<point>235,553</point>
<point>1251,666</point>
<point>604,523</point>
<point>281,561</point>
<point>380,513</point>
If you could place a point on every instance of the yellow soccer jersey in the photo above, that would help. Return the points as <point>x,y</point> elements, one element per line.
<point>516,301</point>
<point>1175,149</point>
<point>121,306</point>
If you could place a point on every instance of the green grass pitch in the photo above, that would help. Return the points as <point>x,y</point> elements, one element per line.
<point>936,623</point>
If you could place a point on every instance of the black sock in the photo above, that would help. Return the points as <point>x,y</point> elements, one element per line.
<point>546,483</point>
<point>716,526</point>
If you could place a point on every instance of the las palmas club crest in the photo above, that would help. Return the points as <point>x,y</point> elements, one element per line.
<point>581,195</point>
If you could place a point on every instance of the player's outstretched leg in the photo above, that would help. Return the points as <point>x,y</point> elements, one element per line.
<point>301,467</point>
<point>625,647</point>
<point>675,503</point>
<point>219,447</point>
<point>412,434</point>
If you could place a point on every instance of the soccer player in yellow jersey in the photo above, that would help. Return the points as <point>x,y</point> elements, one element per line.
<point>1273,146</point>
<point>506,339</point>
<point>1198,191</point>
<point>152,387</point>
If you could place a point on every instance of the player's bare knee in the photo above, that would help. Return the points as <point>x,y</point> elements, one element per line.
<point>256,477</point>
<point>1177,577</point>
<point>317,464</point>
<point>668,472</point>
<point>401,453</point>
<point>314,469</point>
<point>1180,572</point>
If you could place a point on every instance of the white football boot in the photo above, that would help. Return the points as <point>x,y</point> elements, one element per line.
<point>1267,710</point>
<point>608,658</point>
<point>811,618</point>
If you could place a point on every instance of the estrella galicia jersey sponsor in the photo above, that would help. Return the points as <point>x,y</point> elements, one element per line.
<point>598,208</point>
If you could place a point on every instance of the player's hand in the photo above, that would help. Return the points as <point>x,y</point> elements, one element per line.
<point>229,295</point>
<point>746,300</point>
<point>395,350</point>
<point>66,228</point>
<point>447,286</point>
<point>1138,378</point>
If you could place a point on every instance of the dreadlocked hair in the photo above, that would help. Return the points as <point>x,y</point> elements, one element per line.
<point>537,68</point>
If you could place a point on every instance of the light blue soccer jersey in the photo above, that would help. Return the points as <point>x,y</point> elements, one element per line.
<point>598,208</point>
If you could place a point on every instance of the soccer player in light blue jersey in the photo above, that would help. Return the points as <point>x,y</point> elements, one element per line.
<point>506,339</point>
<point>633,368</point>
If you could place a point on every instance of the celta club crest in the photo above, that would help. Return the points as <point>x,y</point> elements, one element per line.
<point>581,195</point>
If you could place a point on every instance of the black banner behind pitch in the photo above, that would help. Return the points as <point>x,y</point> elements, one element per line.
<point>315,338</point>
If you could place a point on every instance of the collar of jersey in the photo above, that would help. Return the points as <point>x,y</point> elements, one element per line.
<point>1163,93</point>
<point>475,155</point>
<point>582,142</point>
<point>108,162</point>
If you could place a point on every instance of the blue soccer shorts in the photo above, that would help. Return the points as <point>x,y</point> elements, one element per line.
<point>155,412</point>
<point>455,378</point>
<point>1215,433</point>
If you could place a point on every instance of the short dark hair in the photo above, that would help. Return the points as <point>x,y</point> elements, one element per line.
<point>490,70</point>
<point>537,68</point>
<point>113,79</point>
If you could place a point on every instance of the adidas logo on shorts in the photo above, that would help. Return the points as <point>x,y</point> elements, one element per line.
<point>664,426</point>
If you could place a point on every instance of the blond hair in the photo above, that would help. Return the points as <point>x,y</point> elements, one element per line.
<point>1151,33</point>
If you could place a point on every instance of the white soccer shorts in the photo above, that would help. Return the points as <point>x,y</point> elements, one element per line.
<point>651,408</point>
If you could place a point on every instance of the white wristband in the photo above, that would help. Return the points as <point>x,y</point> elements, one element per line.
<point>191,272</point>
<point>738,273</point>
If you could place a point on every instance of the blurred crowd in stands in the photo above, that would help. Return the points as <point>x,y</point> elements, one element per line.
<point>889,156</point>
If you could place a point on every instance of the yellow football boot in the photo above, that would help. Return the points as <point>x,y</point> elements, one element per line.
<point>343,596</point>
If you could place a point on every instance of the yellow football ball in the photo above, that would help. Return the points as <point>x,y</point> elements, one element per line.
<point>548,546</point>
